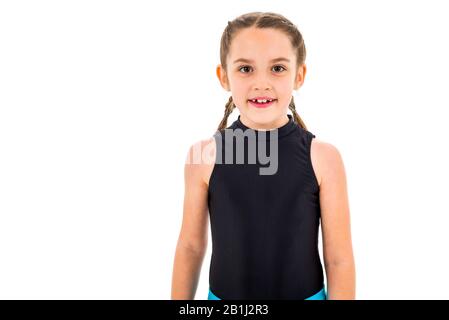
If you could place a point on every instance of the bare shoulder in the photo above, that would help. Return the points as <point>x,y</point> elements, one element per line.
<point>326,159</point>
<point>193,235</point>
<point>200,159</point>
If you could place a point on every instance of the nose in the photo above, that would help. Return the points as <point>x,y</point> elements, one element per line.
<point>261,82</point>
<point>262,85</point>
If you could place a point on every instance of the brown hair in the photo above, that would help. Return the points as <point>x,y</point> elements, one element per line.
<point>261,20</point>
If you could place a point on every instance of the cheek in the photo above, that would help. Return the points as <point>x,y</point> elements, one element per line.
<point>240,90</point>
<point>285,90</point>
<point>239,84</point>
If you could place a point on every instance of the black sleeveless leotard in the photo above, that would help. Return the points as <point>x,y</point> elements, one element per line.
<point>265,227</point>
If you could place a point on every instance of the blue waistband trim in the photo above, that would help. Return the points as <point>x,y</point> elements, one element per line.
<point>320,295</point>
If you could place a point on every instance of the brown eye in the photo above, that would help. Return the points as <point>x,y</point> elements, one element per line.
<point>278,67</point>
<point>243,67</point>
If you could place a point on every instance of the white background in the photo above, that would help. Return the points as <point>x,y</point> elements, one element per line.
<point>100,101</point>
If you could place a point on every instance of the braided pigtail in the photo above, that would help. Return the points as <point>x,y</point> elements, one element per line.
<point>229,107</point>
<point>296,116</point>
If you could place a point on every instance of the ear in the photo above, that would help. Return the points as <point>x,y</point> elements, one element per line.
<point>300,76</point>
<point>222,77</point>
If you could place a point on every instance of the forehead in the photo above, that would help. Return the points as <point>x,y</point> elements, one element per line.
<point>260,44</point>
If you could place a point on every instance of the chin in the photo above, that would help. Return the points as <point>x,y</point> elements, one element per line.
<point>263,116</point>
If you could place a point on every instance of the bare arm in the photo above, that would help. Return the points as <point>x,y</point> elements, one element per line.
<point>335,222</point>
<point>192,241</point>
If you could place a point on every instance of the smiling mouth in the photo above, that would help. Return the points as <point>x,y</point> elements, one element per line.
<point>261,103</point>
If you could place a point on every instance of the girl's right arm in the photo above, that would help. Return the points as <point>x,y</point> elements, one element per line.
<point>192,241</point>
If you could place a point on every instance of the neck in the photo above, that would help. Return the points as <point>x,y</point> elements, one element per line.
<point>277,123</point>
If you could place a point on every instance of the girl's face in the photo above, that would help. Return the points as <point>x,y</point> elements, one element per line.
<point>254,71</point>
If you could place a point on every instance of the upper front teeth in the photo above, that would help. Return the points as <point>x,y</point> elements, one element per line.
<point>261,101</point>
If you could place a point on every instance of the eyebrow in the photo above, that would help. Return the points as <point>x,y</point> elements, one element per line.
<point>249,61</point>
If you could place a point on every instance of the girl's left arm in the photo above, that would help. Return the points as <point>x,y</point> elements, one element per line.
<point>335,221</point>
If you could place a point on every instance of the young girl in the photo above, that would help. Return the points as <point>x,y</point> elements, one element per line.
<point>264,226</point>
